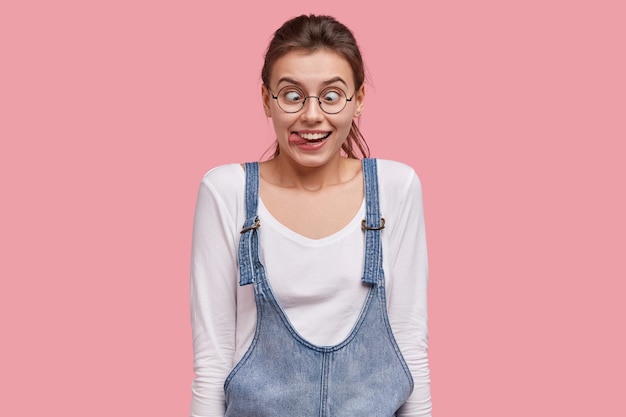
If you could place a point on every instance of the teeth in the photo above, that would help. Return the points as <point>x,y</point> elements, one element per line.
<point>314,136</point>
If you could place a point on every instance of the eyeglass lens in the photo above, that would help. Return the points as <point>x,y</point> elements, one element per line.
<point>291,99</point>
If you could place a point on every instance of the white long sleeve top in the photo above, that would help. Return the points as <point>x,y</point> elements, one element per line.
<point>316,281</point>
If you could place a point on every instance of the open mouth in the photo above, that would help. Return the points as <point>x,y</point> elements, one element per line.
<point>313,137</point>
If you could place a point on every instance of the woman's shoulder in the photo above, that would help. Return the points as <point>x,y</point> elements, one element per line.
<point>400,188</point>
<point>224,175</point>
<point>396,174</point>
<point>227,181</point>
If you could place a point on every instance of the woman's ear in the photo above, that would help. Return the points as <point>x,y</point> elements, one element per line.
<point>265,96</point>
<point>359,98</point>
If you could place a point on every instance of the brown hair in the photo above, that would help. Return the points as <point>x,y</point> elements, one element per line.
<point>312,33</point>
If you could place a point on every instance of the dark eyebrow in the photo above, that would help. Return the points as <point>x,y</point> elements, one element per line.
<point>287,80</point>
<point>327,82</point>
<point>334,80</point>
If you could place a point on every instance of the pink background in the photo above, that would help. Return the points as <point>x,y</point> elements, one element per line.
<point>513,114</point>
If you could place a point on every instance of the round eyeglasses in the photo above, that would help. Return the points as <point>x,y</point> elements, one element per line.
<point>291,99</point>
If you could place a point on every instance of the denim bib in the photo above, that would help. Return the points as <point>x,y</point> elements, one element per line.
<point>282,374</point>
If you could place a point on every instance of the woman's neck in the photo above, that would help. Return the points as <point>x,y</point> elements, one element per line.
<point>283,173</point>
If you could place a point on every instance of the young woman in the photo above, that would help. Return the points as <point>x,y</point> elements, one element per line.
<point>309,270</point>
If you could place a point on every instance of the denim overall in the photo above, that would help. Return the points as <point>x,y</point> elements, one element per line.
<point>283,375</point>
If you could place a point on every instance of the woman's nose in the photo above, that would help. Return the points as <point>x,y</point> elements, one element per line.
<point>312,111</point>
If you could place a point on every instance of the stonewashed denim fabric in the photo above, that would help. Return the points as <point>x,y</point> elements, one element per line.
<point>283,374</point>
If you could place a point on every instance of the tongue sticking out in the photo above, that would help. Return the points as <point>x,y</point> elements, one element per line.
<point>297,139</point>
<point>305,144</point>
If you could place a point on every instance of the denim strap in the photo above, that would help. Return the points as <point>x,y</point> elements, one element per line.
<point>372,225</point>
<point>249,241</point>
<point>249,262</point>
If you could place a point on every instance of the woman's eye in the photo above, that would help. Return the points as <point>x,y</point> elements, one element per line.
<point>331,96</point>
<point>293,96</point>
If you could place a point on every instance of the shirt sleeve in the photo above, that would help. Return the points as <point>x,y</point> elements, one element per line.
<point>407,295</point>
<point>213,296</point>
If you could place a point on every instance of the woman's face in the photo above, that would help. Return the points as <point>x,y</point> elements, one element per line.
<point>311,137</point>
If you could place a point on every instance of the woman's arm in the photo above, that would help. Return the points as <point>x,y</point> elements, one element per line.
<point>408,281</point>
<point>213,293</point>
